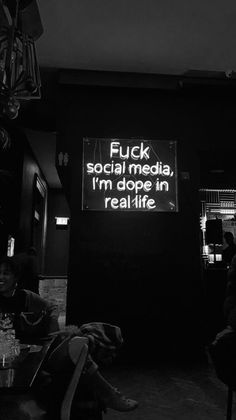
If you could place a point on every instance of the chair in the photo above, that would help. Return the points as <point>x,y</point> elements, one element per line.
<point>70,392</point>
<point>229,403</point>
<point>76,401</point>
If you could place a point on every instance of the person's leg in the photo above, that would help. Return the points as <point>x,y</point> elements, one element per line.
<point>20,407</point>
<point>108,395</point>
<point>33,410</point>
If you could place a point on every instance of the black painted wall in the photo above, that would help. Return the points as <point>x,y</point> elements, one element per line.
<point>11,164</point>
<point>30,169</point>
<point>57,242</point>
<point>17,188</point>
<point>142,270</point>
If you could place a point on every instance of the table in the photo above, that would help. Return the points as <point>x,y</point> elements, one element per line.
<point>20,374</point>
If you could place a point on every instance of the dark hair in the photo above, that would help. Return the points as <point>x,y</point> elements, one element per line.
<point>10,263</point>
<point>228,236</point>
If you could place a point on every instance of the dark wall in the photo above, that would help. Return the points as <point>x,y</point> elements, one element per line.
<point>30,170</point>
<point>18,168</point>
<point>12,143</point>
<point>141,270</point>
<point>57,243</point>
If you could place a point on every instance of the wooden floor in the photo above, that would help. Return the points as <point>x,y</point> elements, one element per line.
<point>167,392</point>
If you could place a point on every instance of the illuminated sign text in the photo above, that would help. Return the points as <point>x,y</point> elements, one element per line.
<point>128,174</point>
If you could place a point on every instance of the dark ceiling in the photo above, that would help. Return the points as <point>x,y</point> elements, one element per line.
<point>174,39</point>
<point>146,36</point>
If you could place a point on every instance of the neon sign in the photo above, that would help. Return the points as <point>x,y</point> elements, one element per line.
<point>129,174</point>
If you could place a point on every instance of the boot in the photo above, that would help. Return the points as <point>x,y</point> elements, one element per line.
<point>117,401</point>
<point>109,396</point>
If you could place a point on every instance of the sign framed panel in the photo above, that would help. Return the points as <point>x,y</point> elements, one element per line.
<point>129,175</point>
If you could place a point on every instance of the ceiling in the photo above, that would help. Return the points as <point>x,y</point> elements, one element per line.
<point>144,36</point>
<point>148,36</point>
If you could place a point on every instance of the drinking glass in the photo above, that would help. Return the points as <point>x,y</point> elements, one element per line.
<point>9,346</point>
<point>6,320</point>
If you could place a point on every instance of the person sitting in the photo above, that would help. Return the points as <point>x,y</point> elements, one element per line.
<point>103,339</point>
<point>223,347</point>
<point>230,250</point>
<point>34,317</point>
<point>229,304</point>
<point>28,270</point>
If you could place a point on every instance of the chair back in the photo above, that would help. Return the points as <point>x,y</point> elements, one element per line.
<point>70,392</point>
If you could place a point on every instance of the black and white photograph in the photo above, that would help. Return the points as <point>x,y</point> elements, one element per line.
<point>117,210</point>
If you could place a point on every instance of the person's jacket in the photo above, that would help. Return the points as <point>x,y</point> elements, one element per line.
<point>34,316</point>
<point>230,296</point>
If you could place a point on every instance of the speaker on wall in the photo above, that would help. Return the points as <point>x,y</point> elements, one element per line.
<point>214,231</point>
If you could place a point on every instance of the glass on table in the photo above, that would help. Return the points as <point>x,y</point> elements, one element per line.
<point>15,347</point>
<point>9,346</point>
<point>5,353</point>
<point>6,320</point>
<point>9,349</point>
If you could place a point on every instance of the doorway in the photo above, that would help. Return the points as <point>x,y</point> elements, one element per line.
<point>216,204</point>
<point>219,207</point>
<point>38,233</point>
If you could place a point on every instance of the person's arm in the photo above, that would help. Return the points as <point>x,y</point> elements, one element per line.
<point>49,309</point>
<point>52,315</point>
<point>222,333</point>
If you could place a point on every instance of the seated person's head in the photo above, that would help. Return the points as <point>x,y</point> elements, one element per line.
<point>8,276</point>
<point>229,237</point>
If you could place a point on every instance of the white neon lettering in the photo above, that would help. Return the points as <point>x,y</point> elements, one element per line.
<point>114,203</point>
<point>151,204</point>
<point>135,152</point>
<point>98,168</point>
<point>107,171</point>
<point>156,169</point>
<point>146,169</point>
<point>130,184</point>
<point>134,185</point>
<point>164,185</point>
<point>132,168</point>
<point>121,185</point>
<point>118,168</point>
<point>144,199</point>
<point>106,183</point>
<point>138,202</point>
<point>135,157</point>
<point>166,170</point>
<point>135,167</point>
<point>113,148</point>
<point>147,186</point>
<point>123,203</point>
<point>107,199</point>
<point>89,168</point>
<point>138,186</point>
<point>94,185</point>
<point>125,155</point>
<point>144,153</point>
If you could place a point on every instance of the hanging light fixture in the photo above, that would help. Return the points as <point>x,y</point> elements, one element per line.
<point>19,69</point>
